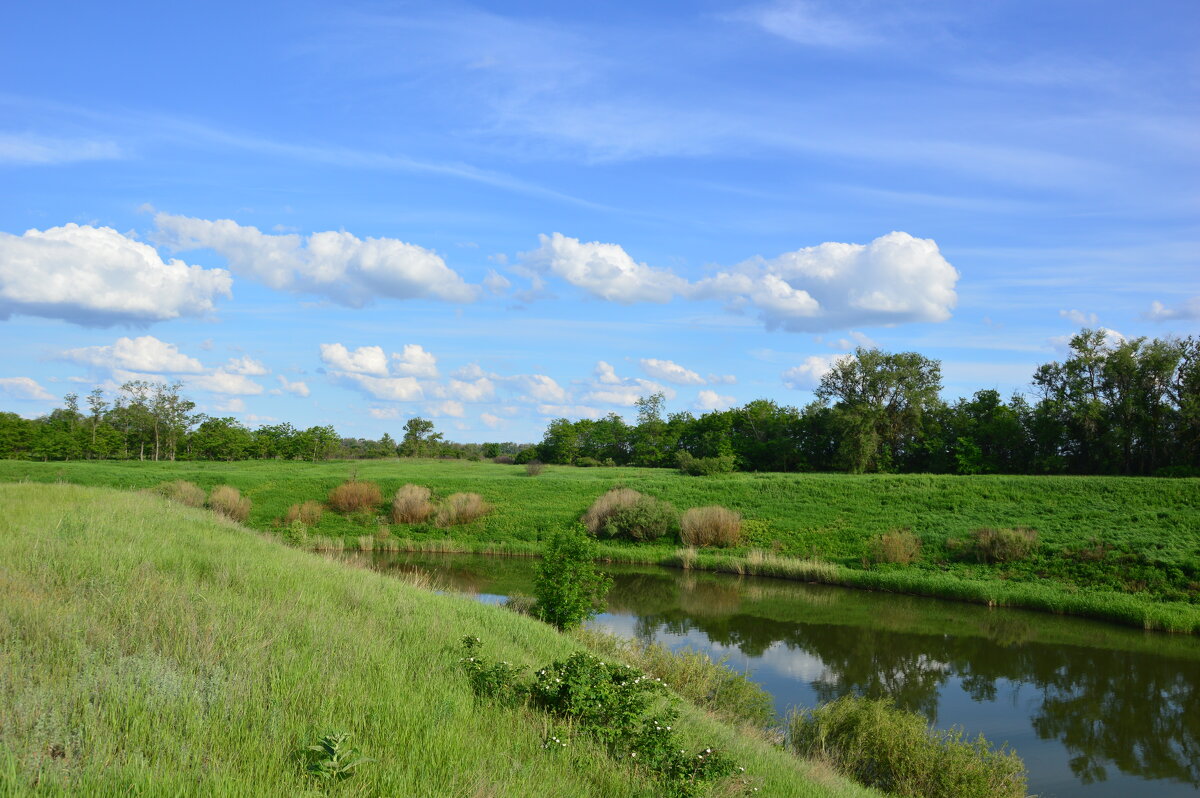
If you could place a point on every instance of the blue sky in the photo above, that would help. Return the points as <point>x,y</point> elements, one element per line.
<point>497,214</point>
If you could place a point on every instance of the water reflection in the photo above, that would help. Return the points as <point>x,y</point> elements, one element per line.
<point>1115,708</point>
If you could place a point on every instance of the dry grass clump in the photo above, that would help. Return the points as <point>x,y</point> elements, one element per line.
<point>608,505</point>
<point>898,546</point>
<point>355,495</point>
<point>534,467</point>
<point>411,505</point>
<point>229,502</point>
<point>184,492</point>
<point>308,513</point>
<point>462,508</point>
<point>710,526</point>
<point>1003,545</point>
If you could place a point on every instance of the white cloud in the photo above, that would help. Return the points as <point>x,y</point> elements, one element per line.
<point>223,382</point>
<point>28,149</point>
<point>612,389</point>
<point>363,360</point>
<point>1079,317</point>
<point>384,412</point>
<point>24,388</point>
<point>711,400</point>
<point>246,365</point>
<point>568,411</point>
<point>541,388</point>
<point>471,371</point>
<point>392,389</point>
<point>1189,310</point>
<point>143,354</point>
<point>496,282</point>
<point>807,376</point>
<point>414,361</point>
<point>490,420</point>
<point>96,276</point>
<point>479,390</point>
<point>299,388</point>
<point>670,371</point>
<point>337,265</point>
<point>895,279</point>
<point>603,270</point>
<point>606,374</point>
<point>722,379</point>
<point>234,405</point>
<point>446,408</point>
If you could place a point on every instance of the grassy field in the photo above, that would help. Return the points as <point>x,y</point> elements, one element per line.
<point>1123,549</point>
<point>152,649</point>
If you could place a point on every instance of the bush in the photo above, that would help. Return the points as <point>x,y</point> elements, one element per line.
<point>309,513</point>
<point>411,505</point>
<point>504,459</point>
<point>228,501</point>
<point>184,492</point>
<point>710,526</point>
<point>1003,545</point>
<point>462,508</point>
<point>568,589</point>
<point>877,744</point>
<point>625,513</point>
<point>525,455</point>
<point>534,467</point>
<point>705,466</point>
<point>587,462</point>
<point>898,546</point>
<point>354,495</point>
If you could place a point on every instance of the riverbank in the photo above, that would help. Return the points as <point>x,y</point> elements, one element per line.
<point>152,648</point>
<point>1118,549</point>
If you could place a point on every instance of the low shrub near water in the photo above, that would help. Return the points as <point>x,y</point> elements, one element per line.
<point>710,526</point>
<point>462,508</point>
<point>229,502</point>
<point>568,589</point>
<point>184,492</point>
<point>1003,545</point>
<point>411,505</point>
<point>898,546</point>
<point>308,513</point>
<point>625,513</point>
<point>355,495</point>
<point>877,744</point>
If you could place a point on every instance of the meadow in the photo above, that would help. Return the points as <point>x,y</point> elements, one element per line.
<point>1119,548</point>
<point>156,649</point>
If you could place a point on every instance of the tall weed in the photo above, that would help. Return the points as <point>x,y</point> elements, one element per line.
<point>411,505</point>
<point>710,526</point>
<point>229,502</point>
<point>355,495</point>
<point>462,508</point>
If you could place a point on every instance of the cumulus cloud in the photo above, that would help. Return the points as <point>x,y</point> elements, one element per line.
<point>490,420</point>
<point>221,381</point>
<point>392,389</point>
<point>24,388</point>
<point>246,365</point>
<point>298,388</point>
<point>606,374</point>
<point>711,400</point>
<point>142,354</point>
<point>471,371</point>
<point>96,276</point>
<point>383,412</point>
<point>336,265</point>
<point>670,371</point>
<point>414,361</point>
<point>895,279</point>
<point>1079,317</point>
<point>807,376</point>
<point>540,388</point>
<point>612,389</point>
<point>603,270</point>
<point>496,282</point>
<point>363,360</point>
<point>446,408</point>
<point>234,405</point>
<point>1189,310</point>
<point>480,390</point>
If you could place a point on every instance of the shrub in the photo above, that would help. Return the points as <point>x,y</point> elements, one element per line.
<point>568,589</point>
<point>184,492</point>
<point>411,505</point>
<point>504,459</point>
<point>229,502</point>
<point>525,455</point>
<point>462,508</point>
<point>705,466</point>
<point>534,467</point>
<point>877,744</point>
<point>355,495</point>
<point>625,513</point>
<point>898,546</point>
<point>587,462</point>
<point>1003,545</point>
<point>309,513</point>
<point>710,526</point>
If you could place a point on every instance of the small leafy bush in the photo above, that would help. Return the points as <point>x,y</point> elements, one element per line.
<point>898,546</point>
<point>710,526</point>
<point>503,459</point>
<point>411,505</point>
<point>1003,545</point>
<point>333,758</point>
<point>625,513</point>
<point>877,744</point>
<point>705,466</point>
<point>587,462</point>
<point>355,495</point>
<point>534,467</point>
<point>462,508</point>
<point>229,502</point>
<point>606,505</point>
<point>183,492</point>
<point>498,682</point>
<point>569,589</point>
<point>308,513</point>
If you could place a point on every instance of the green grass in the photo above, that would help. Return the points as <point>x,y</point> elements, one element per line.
<point>1121,549</point>
<point>148,648</point>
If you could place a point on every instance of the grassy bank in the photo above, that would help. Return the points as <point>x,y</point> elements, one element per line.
<point>1119,549</point>
<point>152,649</point>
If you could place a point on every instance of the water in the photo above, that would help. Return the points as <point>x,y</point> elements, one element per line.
<point>1095,710</point>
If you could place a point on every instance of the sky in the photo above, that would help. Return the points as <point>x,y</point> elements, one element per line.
<point>496,214</point>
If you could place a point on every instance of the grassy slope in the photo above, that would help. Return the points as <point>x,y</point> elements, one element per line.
<point>152,649</point>
<point>1148,552</point>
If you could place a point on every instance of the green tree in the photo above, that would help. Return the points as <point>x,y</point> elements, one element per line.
<point>569,589</point>
<point>419,438</point>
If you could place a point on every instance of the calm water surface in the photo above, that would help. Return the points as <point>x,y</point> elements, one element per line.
<point>1095,710</point>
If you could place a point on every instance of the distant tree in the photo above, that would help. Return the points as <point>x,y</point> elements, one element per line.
<point>420,440</point>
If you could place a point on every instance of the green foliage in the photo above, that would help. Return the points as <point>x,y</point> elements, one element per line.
<point>647,519</point>
<point>332,758</point>
<point>498,682</point>
<point>569,588</point>
<point>882,746</point>
<point>705,466</point>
